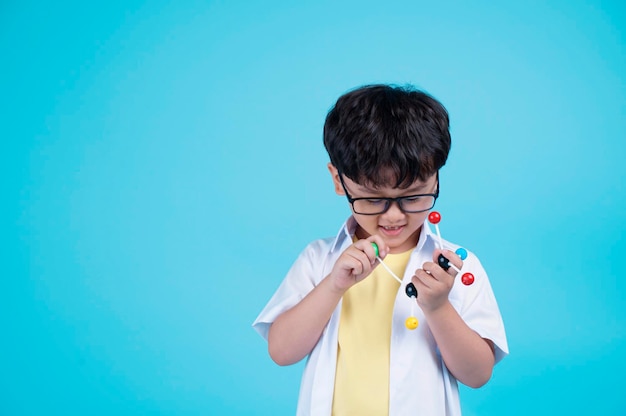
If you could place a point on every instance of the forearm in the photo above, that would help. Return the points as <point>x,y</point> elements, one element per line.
<point>294,333</point>
<point>468,357</point>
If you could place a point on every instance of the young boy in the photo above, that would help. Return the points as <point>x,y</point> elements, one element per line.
<point>337,307</point>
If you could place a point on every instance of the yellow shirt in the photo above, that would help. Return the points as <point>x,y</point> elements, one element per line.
<point>362,377</point>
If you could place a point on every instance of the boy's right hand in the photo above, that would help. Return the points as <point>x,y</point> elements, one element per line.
<point>357,262</point>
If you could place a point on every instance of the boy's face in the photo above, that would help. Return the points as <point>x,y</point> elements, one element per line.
<point>399,229</point>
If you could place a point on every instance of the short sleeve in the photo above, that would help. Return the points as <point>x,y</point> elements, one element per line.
<point>305,273</point>
<point>477,306</point>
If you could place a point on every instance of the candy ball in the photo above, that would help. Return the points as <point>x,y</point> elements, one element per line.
<point>444,263</point>
<point>461,252</point>
<point>467,279</point>
<point>434,217</point>
<point>411,290</point>
<point>375,248</point>
<point>411,322</point>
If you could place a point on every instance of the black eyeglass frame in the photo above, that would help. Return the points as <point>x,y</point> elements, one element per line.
<point>388,201</point>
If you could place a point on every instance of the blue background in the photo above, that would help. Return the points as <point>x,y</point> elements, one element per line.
<point>162,166</point>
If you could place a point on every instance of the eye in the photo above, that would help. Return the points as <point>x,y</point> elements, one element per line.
<point>375,202</point>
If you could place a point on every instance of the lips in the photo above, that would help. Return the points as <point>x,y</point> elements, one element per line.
<point>391,230</point>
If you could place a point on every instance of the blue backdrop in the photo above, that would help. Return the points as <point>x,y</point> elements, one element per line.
<point>162,166</point>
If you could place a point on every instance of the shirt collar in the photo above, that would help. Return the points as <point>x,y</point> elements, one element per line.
<point>349,228</point>
<point>346,231</point>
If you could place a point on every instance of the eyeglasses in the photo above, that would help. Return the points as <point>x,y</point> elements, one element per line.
<point>377,206</point>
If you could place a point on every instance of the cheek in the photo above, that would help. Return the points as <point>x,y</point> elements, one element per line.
<point>421,217</point>
<point>367,223</point>
<point>417,220</point>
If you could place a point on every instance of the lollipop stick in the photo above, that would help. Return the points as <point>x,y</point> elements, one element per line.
<point>456,269</point>
<point>375,246</point>
<point>389,270</point>
<point>439,236</point>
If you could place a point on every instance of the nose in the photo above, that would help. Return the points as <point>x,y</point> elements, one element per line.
<point>394,213</point>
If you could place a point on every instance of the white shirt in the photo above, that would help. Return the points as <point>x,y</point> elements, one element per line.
<point>419,382</point>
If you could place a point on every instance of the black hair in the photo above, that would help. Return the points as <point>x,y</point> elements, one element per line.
<point>384,135</point>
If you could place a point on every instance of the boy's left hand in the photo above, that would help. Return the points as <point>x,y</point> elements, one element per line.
<point>434,283</point>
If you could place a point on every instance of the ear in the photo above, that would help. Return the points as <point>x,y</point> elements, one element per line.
<point>334,173</point>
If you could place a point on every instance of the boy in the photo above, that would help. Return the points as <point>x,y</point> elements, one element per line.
<point>338,308</point>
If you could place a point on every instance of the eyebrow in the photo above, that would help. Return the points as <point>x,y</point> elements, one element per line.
<point>417,189</point>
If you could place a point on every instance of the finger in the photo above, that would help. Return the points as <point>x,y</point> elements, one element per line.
<point>383,249</point>
<point>365,247</point>
<point>363,261</point>
<point>353,265</point>
<point>448,261</point>
<point>422,279</point>
<point>437,272</point>
<point>454,258</point>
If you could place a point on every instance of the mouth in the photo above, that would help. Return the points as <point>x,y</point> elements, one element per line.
<point>392,231</point>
